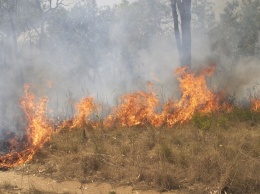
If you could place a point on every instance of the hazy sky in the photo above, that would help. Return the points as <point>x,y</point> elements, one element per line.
<point>219,3</point>
<point>109,2</point>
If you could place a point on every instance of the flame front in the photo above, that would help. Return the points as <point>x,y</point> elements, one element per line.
<point>38,131</point>
<point>136,109</point>
<point>195,97</point>
<point>140,108</point>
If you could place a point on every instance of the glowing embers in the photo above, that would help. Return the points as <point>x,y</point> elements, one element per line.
<point>39,130</point>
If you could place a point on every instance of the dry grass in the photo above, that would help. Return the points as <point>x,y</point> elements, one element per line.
<point>220,152</point>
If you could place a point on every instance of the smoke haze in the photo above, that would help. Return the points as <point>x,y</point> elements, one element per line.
<point>104,54</point>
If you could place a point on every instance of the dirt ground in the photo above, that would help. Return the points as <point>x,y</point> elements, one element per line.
<point>12,182</point>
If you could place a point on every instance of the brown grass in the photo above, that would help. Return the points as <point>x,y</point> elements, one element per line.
<point>219,152</point>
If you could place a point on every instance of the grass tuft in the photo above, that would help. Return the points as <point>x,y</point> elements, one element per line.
<point>213,151</point>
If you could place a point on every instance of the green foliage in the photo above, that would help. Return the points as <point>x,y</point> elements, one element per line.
<point>245,114</point>
<point>222,120</point>
<point>202,121</point>
<point>112,192</point>
<point>206,122</point>
<point>203,15</point>
<point>249,28</point>
<point>237,33</point>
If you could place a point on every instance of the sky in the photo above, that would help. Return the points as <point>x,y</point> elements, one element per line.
<point>109,2</point>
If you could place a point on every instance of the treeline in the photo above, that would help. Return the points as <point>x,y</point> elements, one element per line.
<point>89,34</point>
<point>80,43</point>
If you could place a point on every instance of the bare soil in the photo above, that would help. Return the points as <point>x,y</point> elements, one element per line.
<point>13,182</point>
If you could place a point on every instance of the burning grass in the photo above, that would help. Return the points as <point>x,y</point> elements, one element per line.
<point>189,157</point>
<point>200,141</point>
<point>140,108</point>
<point>38,131</point>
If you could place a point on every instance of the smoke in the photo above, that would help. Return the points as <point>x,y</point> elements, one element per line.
<point>116,55</point>
<point>240,80</point>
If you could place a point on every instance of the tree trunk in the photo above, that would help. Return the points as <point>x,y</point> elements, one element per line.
<point>183,43</point>
<point>186,32</point>
<point>176,29</point>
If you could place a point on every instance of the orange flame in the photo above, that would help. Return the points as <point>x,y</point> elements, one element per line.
<point>139,108</point>
<point>136,109</point>
<point>39,130</point>
<point>255,104</point>
<point>84,109</point>
<point>195,97</point>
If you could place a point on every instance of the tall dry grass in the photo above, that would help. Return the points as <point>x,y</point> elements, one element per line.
<point>212,152</point>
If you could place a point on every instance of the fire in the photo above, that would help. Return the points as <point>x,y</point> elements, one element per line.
<point>84,109</point>
<point>140,108</point>
<point>255,104</point>
<point>196,97</point>
<point>38,131</point>
<point>135,109</point>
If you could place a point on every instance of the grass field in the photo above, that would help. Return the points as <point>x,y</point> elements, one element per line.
<point>212,152</point>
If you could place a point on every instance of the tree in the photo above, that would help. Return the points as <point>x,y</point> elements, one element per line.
<point>140,24</point>
<point>183,40</point>
<point>8,18</point>
<point>45,8</point>
<point>237,33</point>
<point>249,28</point>
<point>12,25</point>
<point>203,16</point>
